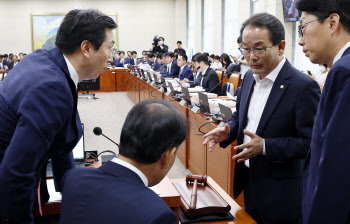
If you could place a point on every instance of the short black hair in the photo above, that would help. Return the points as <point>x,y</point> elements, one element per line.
<point>121,52</point>
<point>267,21</point>
<point>133,52</point>
<point>324,8</point>
<point>179,42</point>
<point>1,56</point>
<point>194,57</point>
<point>79,25</point>
<point>151,55</point>
<point>20,54</point>
<point>170,54</point>
<point>6,55</point>
<point>184,56</point>
<point>202,58</point>
<point>150,128</point>
<point>164,55</point>
<point>212,56</point>
<point>206,53</point>
<point>162,38</point>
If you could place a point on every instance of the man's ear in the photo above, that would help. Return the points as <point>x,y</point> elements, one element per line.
<point>166,157</point>
<point>334,23</point>
<point>86,47</point>
<point>281,47</point>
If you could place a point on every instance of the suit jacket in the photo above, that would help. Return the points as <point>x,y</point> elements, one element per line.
<point>174,72</point>
<point>132,61</point>
<point>164,50</point>
<point>111,193</point>
<point>186,73</point>
<point>210,81</point>
<point>39,120</point>
<point>326,196</point>
<point>156,65</point>
<point>286,126</point>
<point>196,79</point>
<point>11,65</point>
<point>118,62</point>
<point>5,62</point>
<point>162,68</point>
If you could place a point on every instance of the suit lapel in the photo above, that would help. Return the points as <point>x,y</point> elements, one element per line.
<point>245,97</point>
<point>278,89</point>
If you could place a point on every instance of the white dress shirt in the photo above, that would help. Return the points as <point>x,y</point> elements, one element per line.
<point>133,168</point>
<point>261,92</point>
<point>341,52</point>
<point>203,73</point>
<point>73,73</point>
<point>169,67</point>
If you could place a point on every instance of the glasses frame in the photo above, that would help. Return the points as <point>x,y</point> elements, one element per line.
<point>301,27</point>
<point>254,51</point>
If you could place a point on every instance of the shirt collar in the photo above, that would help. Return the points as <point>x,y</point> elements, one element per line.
<point>341,52</point>
<point>203,73</point>
<point>273,74</point>
<point>133,168</point>
<point>73,73</point>
<point>183,67</point>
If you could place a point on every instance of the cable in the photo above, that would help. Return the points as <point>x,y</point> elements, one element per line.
<point>115,154</point>
<point>199,129</point>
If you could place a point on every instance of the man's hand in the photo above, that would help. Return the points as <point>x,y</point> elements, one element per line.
<point>253,148</point>
<point>216,136</point>
<point>158,75</point>
<point>176,79</point>
<point>186,80</point>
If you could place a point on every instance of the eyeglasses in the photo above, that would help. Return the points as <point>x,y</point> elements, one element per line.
<point>259,52</point>
<point>301,27</point>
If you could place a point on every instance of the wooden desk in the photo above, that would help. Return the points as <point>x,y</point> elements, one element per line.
<point>241,217</point>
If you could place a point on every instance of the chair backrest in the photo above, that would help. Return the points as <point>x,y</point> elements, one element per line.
<point>235,79</point>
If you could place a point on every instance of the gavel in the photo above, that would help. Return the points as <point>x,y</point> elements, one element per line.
<point>195,179</point>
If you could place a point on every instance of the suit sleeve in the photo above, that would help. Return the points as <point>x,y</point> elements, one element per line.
<point>41,115</point>
<point>330,201</point>
<point>213,80</point>
<point>297,147</point>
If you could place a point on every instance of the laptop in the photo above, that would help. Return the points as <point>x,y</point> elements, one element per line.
<point>78,155</point>
<point>174,93</point>
<point>149,76</point>
<point>204,104</point>
<point>226,112</point>
<point>155,79</point>
<point>187,97</point>
<point>164,84</point>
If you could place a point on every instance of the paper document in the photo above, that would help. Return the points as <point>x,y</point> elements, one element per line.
<point>54,196</point>
<point>196,90</point>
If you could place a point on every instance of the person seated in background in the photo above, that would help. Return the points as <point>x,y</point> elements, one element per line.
<point>225,61</point>
<point>216,64</point>
<point>14,62</point>
<point>185,70</point>
<point>151,59</point>
<point>240,60</point>
<point>115,58</point>
<point>21,56</point>
<point>121,61</point>
<point>118,190</point>
<point>209,80</point>
<point>321,78</point>
<point>1,61</point>
<point>157,62</point>
<point>196,75</point>
<point>211,58</point>
<point>5,62</point>
<point>128,55</point>
<point>133,59</point>
<point>172,67</point>
<point>179,49</point>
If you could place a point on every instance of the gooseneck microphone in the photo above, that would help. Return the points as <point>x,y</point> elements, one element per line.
<point>217,84</point>
<point>98,131</point>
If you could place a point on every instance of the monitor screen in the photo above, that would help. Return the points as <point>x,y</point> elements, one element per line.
<point>291,14</point>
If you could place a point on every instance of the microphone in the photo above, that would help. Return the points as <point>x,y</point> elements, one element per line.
<point>98,131</point>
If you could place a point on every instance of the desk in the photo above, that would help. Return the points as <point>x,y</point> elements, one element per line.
<point>241,217</point>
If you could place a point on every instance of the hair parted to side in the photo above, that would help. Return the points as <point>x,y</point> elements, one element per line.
<point>267,21</point>
<point>79,25</point>
<point>152,127</point>
<point>324,8</point>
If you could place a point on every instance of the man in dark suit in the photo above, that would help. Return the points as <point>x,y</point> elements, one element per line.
<point>162,47</point>
<point>172,67</point>
<point>179,49</point>
<point>151,59</point>
<point>5,61</point>
<point>326,40</point>
<point>120,62</point>
<point>272,124</point>
<point>133,59</point>
<point>118,190</point>
<point>13,62</point>
<point>185,70</point>
<point>38,106</point>
<point>208,79</point>
<point>157,62</point>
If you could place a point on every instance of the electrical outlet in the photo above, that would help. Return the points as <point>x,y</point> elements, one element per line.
<point>91,154</point>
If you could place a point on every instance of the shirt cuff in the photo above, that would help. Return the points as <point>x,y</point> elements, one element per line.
<point>264,149</point>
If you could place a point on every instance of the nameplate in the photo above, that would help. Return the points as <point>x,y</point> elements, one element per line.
<point>168,93</point>
<point>222,124</point>
<point>152,83</point>
<point>148,82</point>
<point>161,89</point>
<point>182,102</point>
<point>195,109</point>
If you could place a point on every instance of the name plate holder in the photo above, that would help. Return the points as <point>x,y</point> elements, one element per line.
<point>182,102</point>
<point>195,109</point>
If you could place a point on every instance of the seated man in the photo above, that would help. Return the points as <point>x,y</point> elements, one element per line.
<point>118,190</point>
<point>133,59</point>
<point>14,62</point>
<point>121,61</point>
<point>158,62</point>
<point>151,59</point>
<point>172,67</point>
<point>209,80</point>
<point>185,70</point>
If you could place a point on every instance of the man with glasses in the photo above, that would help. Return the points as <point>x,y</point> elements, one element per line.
<point>325,37</point>
<point>272,124</point>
